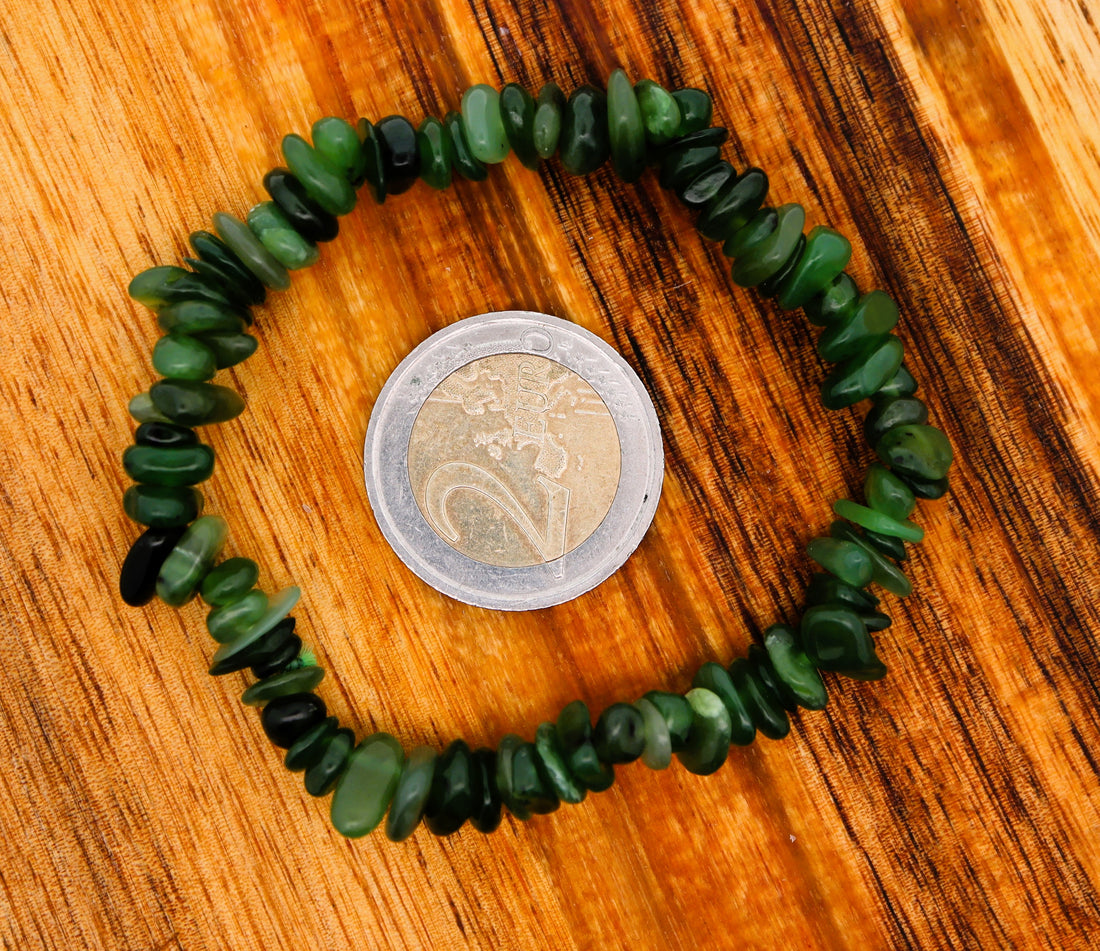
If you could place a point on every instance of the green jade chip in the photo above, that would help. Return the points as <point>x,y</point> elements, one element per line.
<point>230,580</point>
<point>552,757</point>
<point>183,570</point>
<point>230,621</point>
<point>794,668</point>
<point>849,561</point>
<point>240,239</point>
<point>162,506</point>
<point>282,684</point>
<point>825,256</point>
<point>177,355</point>
<point>411,794</point>
<point>709,741</point>
<point>661,117</point>
<point>625,128</point>
<point>169,465</point>
<point>877,522</point>
<point>546,129</point>
<point>886,493</point>
<point>517,112</point>
<point>483,125</point>
<point>322,181</point>
<point>366,787</point>
<point>278,608</point>
<point>337,142</point>
<point>658,741</point>
<point>277,234</point>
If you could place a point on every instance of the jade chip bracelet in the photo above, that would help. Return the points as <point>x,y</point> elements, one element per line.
<point>204,311</point>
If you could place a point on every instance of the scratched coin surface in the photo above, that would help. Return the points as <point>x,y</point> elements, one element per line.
<point>513,460</point>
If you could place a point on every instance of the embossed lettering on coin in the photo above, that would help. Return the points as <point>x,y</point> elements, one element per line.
<point>514,460</point>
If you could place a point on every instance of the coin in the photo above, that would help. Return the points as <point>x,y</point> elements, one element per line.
<point>513,460</point>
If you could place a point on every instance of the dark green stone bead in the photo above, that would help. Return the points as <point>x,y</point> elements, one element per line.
<point>877,522</point>
<point>763,258</point>
<point>834,303</point>
<point>400,153</point>
<point>679,167</point>
<point>826,588</point>
<point>323,182</point>
<point>861,374</point>
<point>549,110</point>
<point>336,140</point>
<point>162,506</point>
<point>826,255</point>
<point>279,237</point>
<point>834,638</point>
<point>435,153</point>
<point>229,349</point>
<point>875,620</point>
<point>230,580</point>
<point>696,110</point>
<point>794,669</point>
<point>241,652</point>
<point>483,125</point>
<point>585,144</point>
<point>734,206</point>
<point>711,136</point>
<point>774,688</point>
<point>185,358</point>
<point>183,570</point>
<point>252,254</point>
<point>677,714</point>
<point>575,732</point>
<point>760,226</point>
<point>708,743</point>
<point>505,778</point>
<point>889,545</point>
<point>454,790</point>
<point>222,260</point>
<point>487,803</point>
<point>306,217</point>
<point>626,132</point>
<point>554,766</point>
<point>661,116</point>
<point>766,712</point>
<point>702,189</point>
<point>889,411</point>
<point>922,452</point>
<point>228,622</point>
<point>658,743</point>
<point>517,112</point>
<point>310,746</point>
<point>198,317</point>
<point>886,493</point>
<point>157,287</point>
<point>374,171</point>
<point>530,785</point>
<point>465,162</point>
<point>875,314</point>
<point>165,436</point>
<point>619,734</point>
<point>900,384</point>
<point>365,789</point>
<point>770,287</point>
<point>849,561</point>
<point>883,571</point>
<point>715,678</point>
<point>926,488</point>
<point>276,652</point>
<point>183,465</point>
<point>411,795</point>
<point>282,684</point>
<point>323,775</point>
<point>190,403</point>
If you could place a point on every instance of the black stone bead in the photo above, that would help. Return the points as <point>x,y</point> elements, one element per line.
<point>223,260</point>
<point>287,718</point>
<point>875,620</point>
<point>277,661</point>
<point>167,435</point>
<point>485,816</point>
<point>308,218</point>
<point>400,153</point>
<point>454,791</point>
<point>137,582</point>
<point>619,734</point>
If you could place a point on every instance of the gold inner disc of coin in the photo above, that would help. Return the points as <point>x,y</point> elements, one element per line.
<point>514,460</point>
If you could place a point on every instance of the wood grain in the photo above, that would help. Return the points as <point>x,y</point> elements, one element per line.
<point>954,805</point>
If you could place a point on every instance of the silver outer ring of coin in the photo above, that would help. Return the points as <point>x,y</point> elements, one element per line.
<point>389,488</point>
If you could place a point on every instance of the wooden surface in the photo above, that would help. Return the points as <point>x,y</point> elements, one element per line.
<point>954,805</point>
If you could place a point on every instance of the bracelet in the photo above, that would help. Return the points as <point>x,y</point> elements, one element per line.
<point>204,312</point>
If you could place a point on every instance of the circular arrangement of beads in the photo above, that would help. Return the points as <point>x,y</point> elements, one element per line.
<point>204,313</point>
